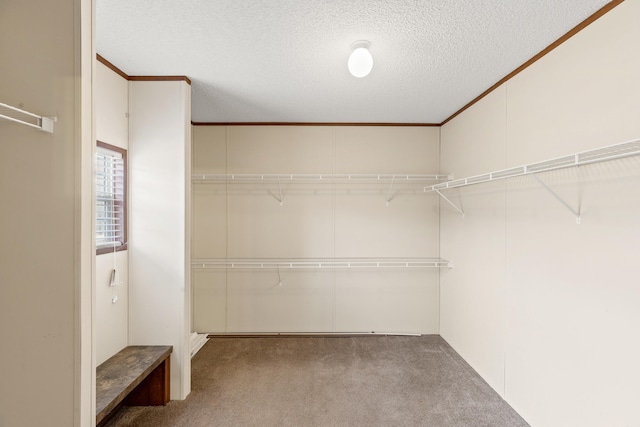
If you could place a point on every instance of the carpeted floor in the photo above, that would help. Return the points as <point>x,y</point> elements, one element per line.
<point>319,381</point>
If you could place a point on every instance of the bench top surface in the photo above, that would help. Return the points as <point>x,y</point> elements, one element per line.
<point>122,372</point>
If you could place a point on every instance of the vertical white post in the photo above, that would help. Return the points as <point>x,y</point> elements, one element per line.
<point>159,171</point>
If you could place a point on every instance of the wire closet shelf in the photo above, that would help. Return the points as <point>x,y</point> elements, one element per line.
<point>318,263</point>
<point>317,178</point>
<point>611,152</point>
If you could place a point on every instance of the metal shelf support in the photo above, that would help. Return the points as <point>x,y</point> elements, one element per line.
<point>389,196</point>
<point>460,211</point>
<point>280,199</point>
<point>558,198</point>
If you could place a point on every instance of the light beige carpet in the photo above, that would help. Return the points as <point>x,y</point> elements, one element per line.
<point>320,381</point>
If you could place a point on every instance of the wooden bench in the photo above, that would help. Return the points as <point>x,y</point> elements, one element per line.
<point>135,376</point>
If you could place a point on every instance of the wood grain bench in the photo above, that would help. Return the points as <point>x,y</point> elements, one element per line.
<point>135,376</point>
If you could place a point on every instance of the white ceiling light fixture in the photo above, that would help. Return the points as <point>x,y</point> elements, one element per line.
<point>360,61</point>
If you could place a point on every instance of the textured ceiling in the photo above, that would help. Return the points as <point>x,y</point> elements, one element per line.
<point>286,60</point>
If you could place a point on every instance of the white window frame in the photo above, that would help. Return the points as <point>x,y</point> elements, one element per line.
<point>111,198</point>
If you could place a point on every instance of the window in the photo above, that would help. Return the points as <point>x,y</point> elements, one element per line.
<point>111,198</point>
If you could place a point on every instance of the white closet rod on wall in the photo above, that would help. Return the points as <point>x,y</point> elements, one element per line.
<point>17,115</point>
<point>328,178</point>
<point>281,263</point>
<point>611,152</point>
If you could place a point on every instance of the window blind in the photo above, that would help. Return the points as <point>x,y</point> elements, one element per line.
<point>110,199</point>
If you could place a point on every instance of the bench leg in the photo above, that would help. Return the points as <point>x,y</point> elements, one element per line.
<point>154,390</point>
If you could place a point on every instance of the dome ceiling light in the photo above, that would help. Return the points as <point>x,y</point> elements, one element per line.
<point>360,61</point>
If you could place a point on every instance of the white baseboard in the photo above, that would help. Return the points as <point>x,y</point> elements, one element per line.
<point>197,341</point>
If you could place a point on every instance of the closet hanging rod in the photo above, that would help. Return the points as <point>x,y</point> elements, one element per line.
<point>17,115</point>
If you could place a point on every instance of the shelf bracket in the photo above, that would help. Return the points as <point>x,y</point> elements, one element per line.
<point>460,211</point>
<point>558,198</point>
<point>279,197</point>
<point>279,284</point>
<point>389,196</point>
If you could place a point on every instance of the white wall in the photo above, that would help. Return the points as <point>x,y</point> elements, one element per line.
<point>544,309</point>
<point>159,182</point>
<point>112,127</point>
<point>315,221</point>
<point>45,226</point>
<point>472,317</point>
